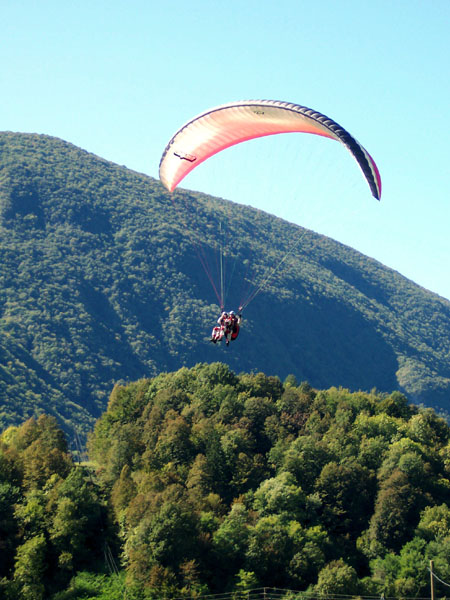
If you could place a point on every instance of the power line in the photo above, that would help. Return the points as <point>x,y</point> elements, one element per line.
<point>279,593</point>
<point>438,578</point>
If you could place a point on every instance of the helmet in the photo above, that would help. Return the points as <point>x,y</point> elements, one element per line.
<point>232,312</point>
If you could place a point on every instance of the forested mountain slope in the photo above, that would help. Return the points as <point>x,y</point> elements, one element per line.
<point>100,281</point>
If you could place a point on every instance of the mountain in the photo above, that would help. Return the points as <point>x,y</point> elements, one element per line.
<point>101,281</point>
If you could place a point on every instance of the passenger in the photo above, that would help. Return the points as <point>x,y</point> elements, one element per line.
<point>228,327</point>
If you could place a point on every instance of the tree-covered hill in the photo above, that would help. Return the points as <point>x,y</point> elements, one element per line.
<point>101,281</point>
<point>220,481</point>
<point>202,481</point>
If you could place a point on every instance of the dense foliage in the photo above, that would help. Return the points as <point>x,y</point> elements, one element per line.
<point>100,282</point>
<point>53,520</point>
<point>220,482</point>
<point>204,481</point>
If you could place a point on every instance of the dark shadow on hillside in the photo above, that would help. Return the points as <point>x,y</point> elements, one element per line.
<point>110,335</point>
<point>21,204</point>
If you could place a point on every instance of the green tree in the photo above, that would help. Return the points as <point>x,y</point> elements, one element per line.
<point>78,528</point>
<point>199,481</point>
<point>305,458</point>
<point>230,540</point>
<point>246,581</point>
<point>269,550</point>
<point>337,577</point>
<point>9,495</point>
<point>174,444</point>
<point>43,451</point>
<point>346,492</point>
<point>280,495</point>
<point>310,549</point>
<point>30,568</point>
<point>123,490</point>
<point>434,523</point>
<point>295,405</point>
<point>166,539</point>
<point>32,513</point>
<point>404,574</point>
<point>396,514</point>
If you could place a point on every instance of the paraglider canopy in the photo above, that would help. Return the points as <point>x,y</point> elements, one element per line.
<point>230,124</point>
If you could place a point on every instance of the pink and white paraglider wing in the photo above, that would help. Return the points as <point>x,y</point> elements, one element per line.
<point>230,124</point>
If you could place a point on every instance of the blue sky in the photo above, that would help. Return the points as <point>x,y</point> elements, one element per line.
<point>118,78</point>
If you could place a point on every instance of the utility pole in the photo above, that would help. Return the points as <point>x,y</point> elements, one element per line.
<point>432,580</point>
